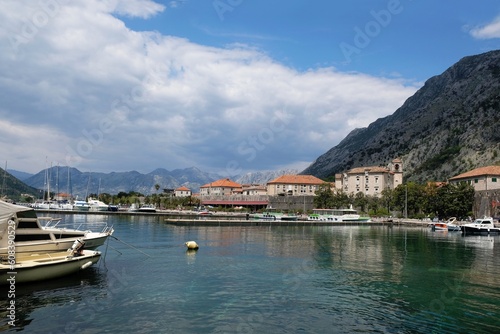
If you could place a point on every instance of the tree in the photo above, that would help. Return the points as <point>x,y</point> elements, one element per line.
<point>324,196</point>
<point>360,201</point>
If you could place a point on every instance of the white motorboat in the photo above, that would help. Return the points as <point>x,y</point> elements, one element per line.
<point>337,215</point>
<point>483,226</point>
<point>81,206</point>
<point>21,227</point>
<point>452,225</point>
<point>96,205</point>
<point>32,267</point>
<point>143,208</point>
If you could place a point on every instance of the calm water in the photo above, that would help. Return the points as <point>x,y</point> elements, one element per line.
<point>271,280</point>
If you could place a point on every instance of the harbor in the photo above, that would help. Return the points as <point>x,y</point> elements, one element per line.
<point>269,278</point>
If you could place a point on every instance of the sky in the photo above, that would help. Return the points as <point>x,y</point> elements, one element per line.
<point>227,86</point>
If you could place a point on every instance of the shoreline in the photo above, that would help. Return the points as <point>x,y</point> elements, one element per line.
<point>189,218</point>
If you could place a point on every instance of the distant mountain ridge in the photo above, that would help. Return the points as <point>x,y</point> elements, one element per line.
<point>447,127</point>
<point>82,184</point>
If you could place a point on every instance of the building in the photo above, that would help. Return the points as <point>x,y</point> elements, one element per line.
<point>483,178</point>
<point>371,180</point>
<point>253,189</point>
<point>294,185</point>
<point>222,187</point>
<point>182,192</point>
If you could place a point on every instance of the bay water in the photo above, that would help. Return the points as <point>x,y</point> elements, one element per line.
<point>270,279</point>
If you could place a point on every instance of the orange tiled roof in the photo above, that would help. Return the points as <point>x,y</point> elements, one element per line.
<point>297,179</point>
<point>482,171</point>
<point>222,183</point>
<point>183,189</point>
<point>373,169</point>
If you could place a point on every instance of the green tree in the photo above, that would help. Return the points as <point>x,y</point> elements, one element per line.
<point>324,196</point>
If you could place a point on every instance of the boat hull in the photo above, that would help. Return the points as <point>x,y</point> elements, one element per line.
<point>480,230</point>
<point>92,241</point>
<point>44,267</point>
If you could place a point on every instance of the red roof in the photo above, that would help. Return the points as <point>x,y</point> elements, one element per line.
<point>373,169</point>
<point>183,189</point>
<point>222,183</point>
<point>296,179</point>
<point>482,171</point>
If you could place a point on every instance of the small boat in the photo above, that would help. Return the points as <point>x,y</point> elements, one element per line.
<point>32,267</point>
<point>29,233</point>
<point>452,225</point>
<point>439,227</point>
<point>338,215</point>
<point>147,208</point>
<point>482,226</point>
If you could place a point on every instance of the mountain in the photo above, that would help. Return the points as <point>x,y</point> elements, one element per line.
<point>449,126</point>
<point>19,175</point>
<point>81,184</point>
<point>263,177</point>
<point>13,188</point>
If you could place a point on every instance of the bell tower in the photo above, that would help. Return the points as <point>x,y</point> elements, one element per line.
<point>397,170</point>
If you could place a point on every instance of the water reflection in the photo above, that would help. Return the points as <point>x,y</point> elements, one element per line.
<point>275,279</point>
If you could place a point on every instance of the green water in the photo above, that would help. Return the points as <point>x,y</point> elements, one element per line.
<point>272,280</point>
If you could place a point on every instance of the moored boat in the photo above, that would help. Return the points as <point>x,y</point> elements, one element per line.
<point>34,267</point>
<point>274,214</point>
<point>338,215</point>
<point>482,226</point>
<point>30,233</point>
<point>96,205</point>
<point>81,206</point>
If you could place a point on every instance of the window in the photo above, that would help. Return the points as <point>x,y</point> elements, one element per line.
<point>493,179</point>
<point>476,180</point>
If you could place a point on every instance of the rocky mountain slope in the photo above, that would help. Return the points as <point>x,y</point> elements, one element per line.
<point>449,126</point>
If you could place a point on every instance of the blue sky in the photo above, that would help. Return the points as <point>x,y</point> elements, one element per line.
<point>228,86</point>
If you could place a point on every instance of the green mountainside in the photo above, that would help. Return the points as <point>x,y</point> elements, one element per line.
<point>12,188</point>
<point>449,126</point>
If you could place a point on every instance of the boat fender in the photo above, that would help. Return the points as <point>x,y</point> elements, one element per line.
<point>191,245</point>
<point>86,265</point>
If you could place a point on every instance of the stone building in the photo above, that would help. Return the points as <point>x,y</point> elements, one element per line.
<point>371,180</point>
<point>294,185</point>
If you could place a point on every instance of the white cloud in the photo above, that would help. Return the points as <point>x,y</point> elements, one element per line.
<point>488,31</point>
<point>107,98</point>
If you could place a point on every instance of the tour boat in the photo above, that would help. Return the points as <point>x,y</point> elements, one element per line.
<point>274,214</point>
<point>337,215</point>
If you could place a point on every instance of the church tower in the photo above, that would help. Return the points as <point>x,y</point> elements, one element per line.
<point>397,170</point>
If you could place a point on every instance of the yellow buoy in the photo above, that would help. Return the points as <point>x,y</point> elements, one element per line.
<point>191,245</point>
